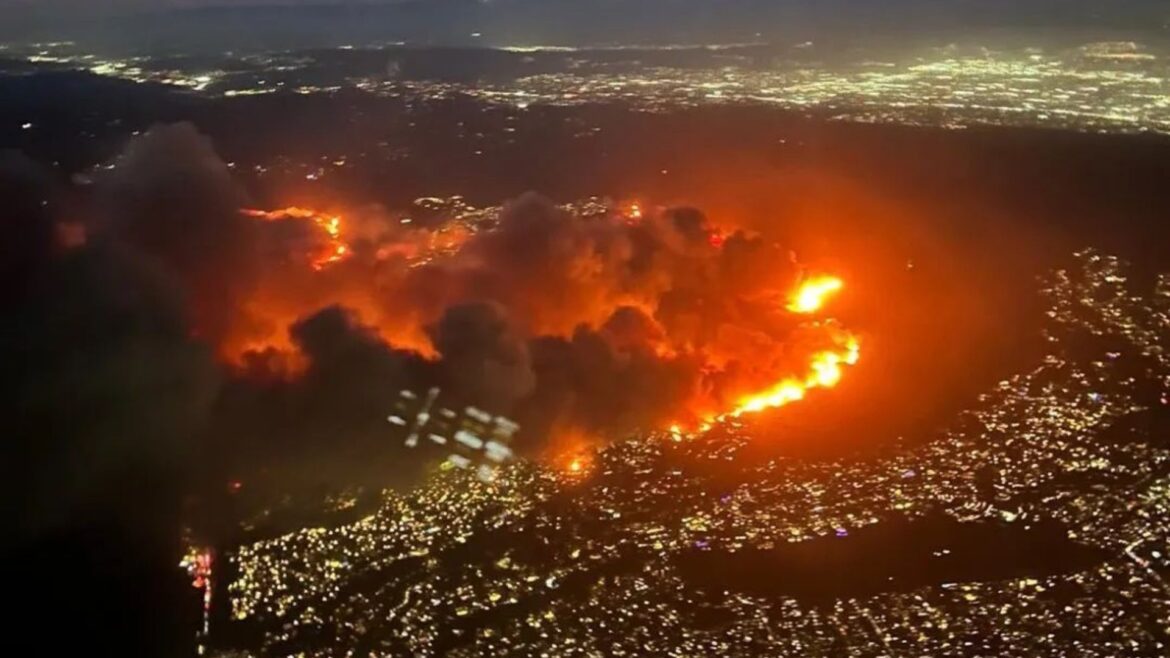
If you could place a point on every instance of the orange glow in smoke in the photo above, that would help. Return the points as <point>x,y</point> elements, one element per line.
<point>779,382</point>
<point>578,465</point>
<point>811,294</point>
<point>575,464</point>
<point>571,451</point>
<point>291,291</point>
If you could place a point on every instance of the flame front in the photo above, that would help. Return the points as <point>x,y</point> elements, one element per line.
<point>765,374</point>
<point>826,368</point>
<point>335,249</point>
<point>825,371</point>
<point>811,295</point>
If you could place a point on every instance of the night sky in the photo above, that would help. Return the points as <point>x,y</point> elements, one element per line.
<point>217,25</point>
<point>1056,10</point>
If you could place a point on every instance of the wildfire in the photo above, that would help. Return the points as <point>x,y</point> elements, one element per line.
<point>825,369</point>
<point>812,294</point>
<point>576,465</point>
<point>634,211</point>
<point>335,250</point>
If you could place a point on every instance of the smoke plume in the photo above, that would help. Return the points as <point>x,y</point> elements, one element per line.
<point>283,336</point>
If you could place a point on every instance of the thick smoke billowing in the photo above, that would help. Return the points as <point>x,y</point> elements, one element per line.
<point>162,326</point>
<point>484,358</point>
<point>106,395</point>
<point>567,323</point>
<point>327,424</point>
<point>172,198</point>
<point>162,346</point>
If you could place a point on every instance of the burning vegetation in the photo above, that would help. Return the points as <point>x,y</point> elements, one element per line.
<point>332,250</point>
<point>286,334</point>
<point>593,319</point>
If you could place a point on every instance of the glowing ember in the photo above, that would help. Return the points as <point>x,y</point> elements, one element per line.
<point>811,295</point>
<point>576,464</point>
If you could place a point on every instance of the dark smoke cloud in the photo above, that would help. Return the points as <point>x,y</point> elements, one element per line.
<point>595,325</point>
<point>106,394</point>
<point>630,330</point>
<point>603,386</point>
<point>484,359</point>
<point>171,197</point>
<point>103,373</point>
<point>325,425</point>
<point>551,269</point>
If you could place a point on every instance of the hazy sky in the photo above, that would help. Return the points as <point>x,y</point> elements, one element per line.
<point>107,6</point>
<point>1104,6</point>
<point>1139,9</point>
<point>561,21</point>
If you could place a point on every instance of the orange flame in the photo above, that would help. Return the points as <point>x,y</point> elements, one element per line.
<point>336,249</point>
<point>576,465</point>
<point>812,294</point>
<point>825,370</point>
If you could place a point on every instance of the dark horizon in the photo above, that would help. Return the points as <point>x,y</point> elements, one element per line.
<point>263,26</point>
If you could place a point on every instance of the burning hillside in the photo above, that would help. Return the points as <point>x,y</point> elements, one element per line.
<point>589,316</point>
<point>579,321</point>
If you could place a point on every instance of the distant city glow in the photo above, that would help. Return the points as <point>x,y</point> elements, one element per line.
<point>1107,86</point>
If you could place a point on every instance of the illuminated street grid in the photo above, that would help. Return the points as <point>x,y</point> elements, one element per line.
<point>584,564</point>
<point>996,88</point>
<point>1097,87</point>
